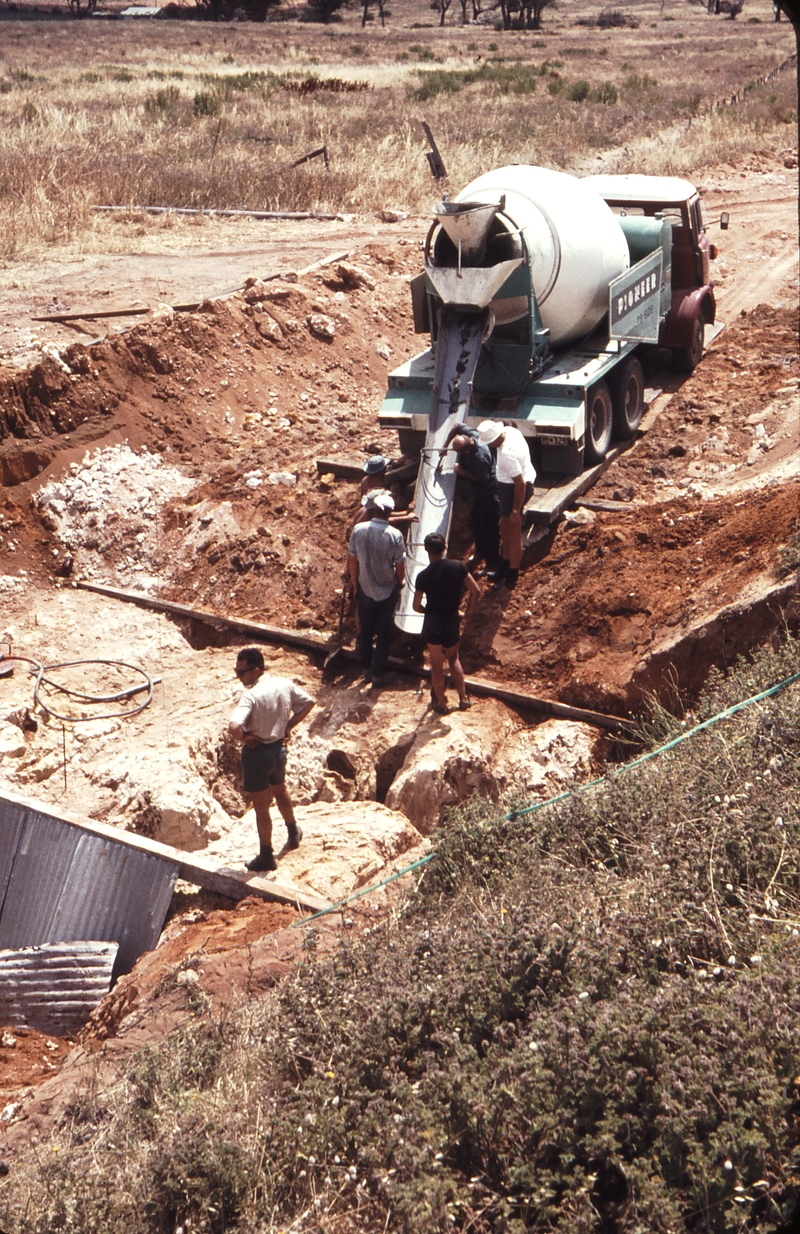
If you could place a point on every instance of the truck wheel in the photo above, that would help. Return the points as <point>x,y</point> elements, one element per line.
<point>686,359</point>
<point>599,423</point>
<point>628,399</point>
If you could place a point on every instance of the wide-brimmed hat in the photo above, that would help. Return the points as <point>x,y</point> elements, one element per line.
<point>375,465</point>
<point>489,431</point>
<point>382,500</point>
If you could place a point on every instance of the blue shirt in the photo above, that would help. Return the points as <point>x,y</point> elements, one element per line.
<point>478,462</point>
<point>378,548</point>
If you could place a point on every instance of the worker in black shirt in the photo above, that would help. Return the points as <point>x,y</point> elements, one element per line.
<point>442,585</point>
<point>476,461</point>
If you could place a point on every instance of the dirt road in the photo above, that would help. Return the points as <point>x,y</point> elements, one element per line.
<point>138,262</point>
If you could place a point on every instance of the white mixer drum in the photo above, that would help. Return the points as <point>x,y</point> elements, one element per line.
<point>575,243</point>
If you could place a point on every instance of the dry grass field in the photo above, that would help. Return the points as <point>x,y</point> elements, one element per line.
<point>201,114</point>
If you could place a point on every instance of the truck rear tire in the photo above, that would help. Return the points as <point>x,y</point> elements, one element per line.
<point>599,423</point>
<point>686,359</point>
<point>627,399</point>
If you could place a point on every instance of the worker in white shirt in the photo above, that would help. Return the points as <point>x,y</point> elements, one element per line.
<point>515,477</point>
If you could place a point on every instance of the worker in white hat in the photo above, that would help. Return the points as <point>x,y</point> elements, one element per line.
<point>515,478</point>
<point>376,565</point>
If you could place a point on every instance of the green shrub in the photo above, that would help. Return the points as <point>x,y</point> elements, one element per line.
<point>440,81</point>
<point>516,78</point>
<point>206,103</point>
<point>252,81</point>
<point>637,82</point>
<point>163,102</point>
<point>606,93</point>
<point>788,554</point>
<point>578,91</point>
<point>588,52</point>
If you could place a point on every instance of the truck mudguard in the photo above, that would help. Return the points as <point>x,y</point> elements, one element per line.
<point>678,328</point>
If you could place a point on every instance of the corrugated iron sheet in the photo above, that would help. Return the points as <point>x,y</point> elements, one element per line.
<point>54,988</point>
<point>60,883</point>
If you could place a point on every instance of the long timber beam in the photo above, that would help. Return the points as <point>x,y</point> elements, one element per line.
<point>316,642</point>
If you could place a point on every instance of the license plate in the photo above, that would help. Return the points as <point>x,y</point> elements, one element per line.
<point>549,439</point>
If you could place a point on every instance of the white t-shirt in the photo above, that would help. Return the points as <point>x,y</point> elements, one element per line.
<point>267,707</point>
<point>514,459</point>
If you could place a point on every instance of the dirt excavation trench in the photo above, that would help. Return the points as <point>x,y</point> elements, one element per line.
<point>179,459</point>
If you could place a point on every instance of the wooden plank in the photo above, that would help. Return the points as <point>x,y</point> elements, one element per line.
<point>343,468</point>
<point>236,885</point>
<point>477,686</point>
<point>435,161</point>
<point>299,215</point>
<point>549,503</point>
<point>480,687</point>
<point>276,634</point>
<point>324,261</point>
<point>602,505</point>
<point>309,643</point>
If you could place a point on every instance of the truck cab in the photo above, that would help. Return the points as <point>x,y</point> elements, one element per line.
<point>677,201</point>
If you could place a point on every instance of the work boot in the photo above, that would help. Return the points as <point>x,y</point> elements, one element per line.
<point>385,679</point>
<point>510,580</point>
<point>497,576</point>
<point>294,837</point>
<point>264,861</point>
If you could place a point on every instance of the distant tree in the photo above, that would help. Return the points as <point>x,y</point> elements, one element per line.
<point>441,7</point>
<point>256,10</point>
<point>533,10</point>
<point>524,14</point>
<point>224,10</point>
<point>365,7</point>
<point>731,7</point>
<point>82,10</point>
<point>324,10</point>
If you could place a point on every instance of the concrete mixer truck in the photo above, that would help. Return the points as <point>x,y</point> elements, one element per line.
<point>540,292</point>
